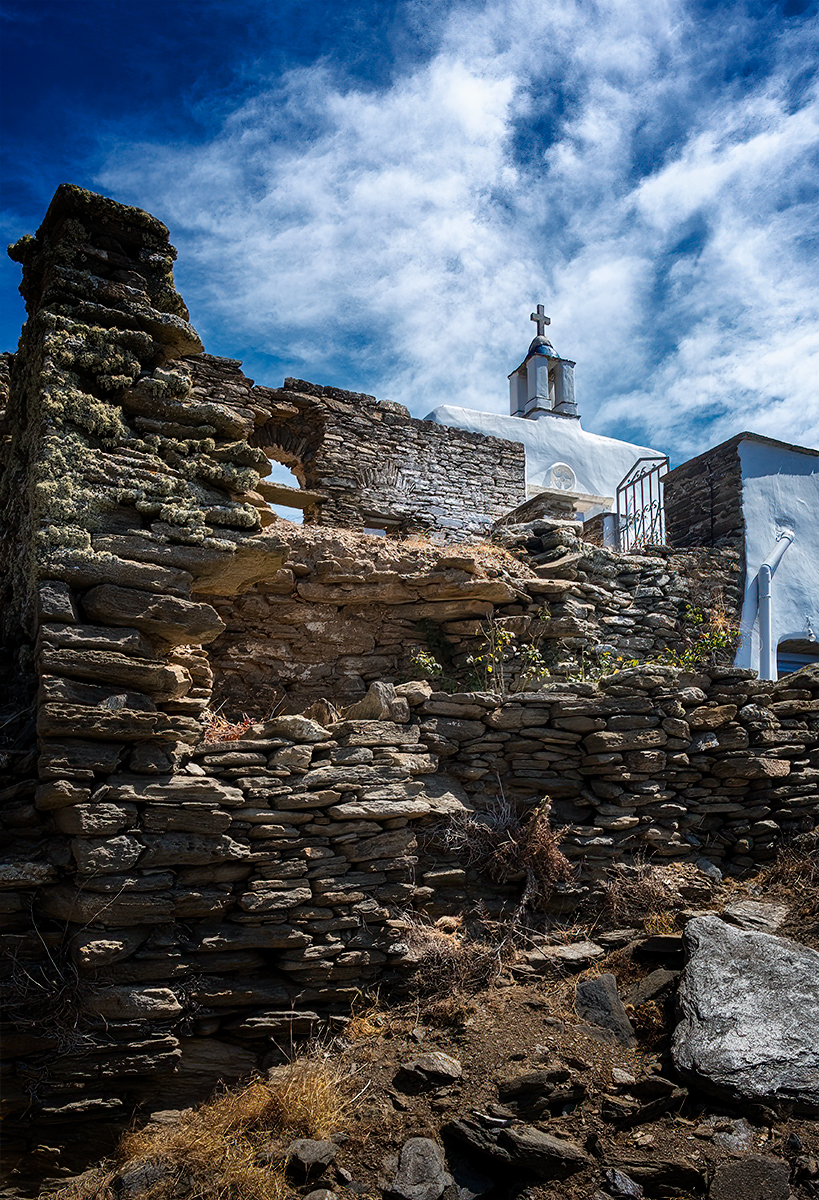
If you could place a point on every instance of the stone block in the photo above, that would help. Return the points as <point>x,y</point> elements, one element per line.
<point>85,908</point>
<point>59,793</point>
<point>105,855</point>
<point>175,849</point>
<point>95,820</point>
<point>160,680</point>
<point>171,620</point>
<point>55,602</point>
<point>711,716</point>
<point>751,767</point>
<point>133,1003</point>
<point>749,1005</point>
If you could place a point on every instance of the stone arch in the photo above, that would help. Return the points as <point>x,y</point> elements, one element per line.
<point>293,440</point>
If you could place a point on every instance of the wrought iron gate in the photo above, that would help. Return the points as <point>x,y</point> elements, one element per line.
<point>640,511</point>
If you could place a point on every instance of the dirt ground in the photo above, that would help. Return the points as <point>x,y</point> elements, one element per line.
<point>519,1024</point>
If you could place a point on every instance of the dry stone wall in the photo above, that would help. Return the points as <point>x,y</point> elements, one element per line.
<point>343,612</point>
<point>194,910</point>
<point>363,462</point>
<point>648,761</point>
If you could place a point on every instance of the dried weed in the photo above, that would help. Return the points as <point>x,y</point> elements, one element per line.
<point>448,963</point>
<point>796,866</point>
<point>218,729</point>
<point>640,895</point>
<point>217,1151</point>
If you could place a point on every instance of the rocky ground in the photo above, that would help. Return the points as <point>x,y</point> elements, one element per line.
<point>675,1056</point>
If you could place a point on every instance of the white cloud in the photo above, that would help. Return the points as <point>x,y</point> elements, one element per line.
<point>400,246</point>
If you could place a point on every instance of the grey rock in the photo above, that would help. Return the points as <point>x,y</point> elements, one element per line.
<point>749,1008</point>
<point>754,915</point>
<point>522,1146</point>
<point>297,728</point>
<point>170,619</point>
<point>55,602</point>
<point>575,956</point>
<point>551,1157</point>
<point>375,706</point>
<point>756,1177</point>
<point>708,868</point>
<point>133,1003</point>
<point>654,1172</point>
<point>618,1184</point>
<point>100,855</point>
<point>535,1093</point>
<point>22,874</point>
<point>735,1136</point>
<point>598,1002</point>
<point>175,849</point>
<point>475,1139</point>
<point>422,1172</point>
<point>429,1070</point>
<point>161,680</point>
<point>654,985</point>
<point>310,1155</point>
<point>140,1179</point>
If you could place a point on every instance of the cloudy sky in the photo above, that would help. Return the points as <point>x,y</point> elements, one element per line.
<point>376,193</point>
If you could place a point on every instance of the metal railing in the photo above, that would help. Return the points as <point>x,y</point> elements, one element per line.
<point>640,511</point>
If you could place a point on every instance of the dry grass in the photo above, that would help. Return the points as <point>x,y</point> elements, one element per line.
<point>658,923</point>
<point>369,1019</point>
<point>449,962</point>
<point>218,1151</point>
<point>650,1023</point>
<point>641,897</point>
<point>218,729</point>
<point>506,847</point>
<point>539,853</point>
<point>796,865</point>
<point>448,1011</point>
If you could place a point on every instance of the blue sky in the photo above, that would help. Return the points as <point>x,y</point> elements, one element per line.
<point>375,194</point>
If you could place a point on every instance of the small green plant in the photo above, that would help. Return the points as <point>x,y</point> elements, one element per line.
<point>708,638</point>
<point>489,664</point>
<point>505,659</point>
<point>596,663</point>
<point>425,663</point>
<point>533,665</point>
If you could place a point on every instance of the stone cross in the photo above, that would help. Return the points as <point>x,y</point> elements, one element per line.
<point>541,319</point>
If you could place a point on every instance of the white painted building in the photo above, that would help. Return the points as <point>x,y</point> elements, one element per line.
<point>561,457</point>
<point>780,509</point>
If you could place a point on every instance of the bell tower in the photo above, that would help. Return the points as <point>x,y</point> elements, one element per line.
<point>543,384</point>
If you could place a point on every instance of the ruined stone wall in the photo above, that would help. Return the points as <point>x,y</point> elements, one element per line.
<point>118,487</point>
<point>646,761</point>
<point>344,612</point>
<point>191,911</point>
<point>169,903</point>
<point>369,463</point>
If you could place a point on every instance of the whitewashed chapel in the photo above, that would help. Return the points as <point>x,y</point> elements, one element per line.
<point>752,491</point>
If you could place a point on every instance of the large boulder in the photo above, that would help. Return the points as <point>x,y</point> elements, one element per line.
<point>749,1011</point>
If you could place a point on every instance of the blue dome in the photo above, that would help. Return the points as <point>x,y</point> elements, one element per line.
<point>542,345</point>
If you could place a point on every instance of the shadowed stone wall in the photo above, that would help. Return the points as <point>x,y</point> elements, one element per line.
<point>703,499</point>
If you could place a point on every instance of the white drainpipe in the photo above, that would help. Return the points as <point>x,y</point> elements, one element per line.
<point>767,645</point>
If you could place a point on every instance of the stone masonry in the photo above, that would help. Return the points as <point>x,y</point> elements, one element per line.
<point>703,499</point>
<point>169,902</point>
